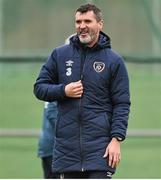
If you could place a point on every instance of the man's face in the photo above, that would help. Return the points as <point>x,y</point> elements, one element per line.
<point>87,27</point>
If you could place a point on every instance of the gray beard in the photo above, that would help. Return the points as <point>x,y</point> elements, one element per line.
<point>85,40</point>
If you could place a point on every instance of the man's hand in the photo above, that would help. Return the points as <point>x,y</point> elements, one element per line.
<point>74,89</point>
<point>113,153</point>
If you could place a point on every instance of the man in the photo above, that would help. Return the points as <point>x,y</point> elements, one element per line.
<point>46,139</point>
<point>90,82</point>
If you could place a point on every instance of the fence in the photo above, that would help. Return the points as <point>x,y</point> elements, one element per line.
<point>35,133</point>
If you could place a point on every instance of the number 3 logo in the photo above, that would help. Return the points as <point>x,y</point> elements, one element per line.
<point>69,71</point>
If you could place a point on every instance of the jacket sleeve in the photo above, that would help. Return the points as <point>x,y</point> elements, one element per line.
<point>46,87</point>
<point>120,97</point>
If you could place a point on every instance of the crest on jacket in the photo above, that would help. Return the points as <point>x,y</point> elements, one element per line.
<point>98,66</point>
<point>69,64</point>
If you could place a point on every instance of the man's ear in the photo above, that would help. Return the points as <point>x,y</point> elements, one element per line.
<point>101,25</point>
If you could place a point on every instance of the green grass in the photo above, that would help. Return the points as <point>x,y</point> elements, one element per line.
<point>141,158</point>
<point>18,158</point>
<point>145,88</point>
<point>20,108</point>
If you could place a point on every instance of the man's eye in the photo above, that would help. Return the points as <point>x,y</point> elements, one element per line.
<point>78,22</point>
<point>88,21</point>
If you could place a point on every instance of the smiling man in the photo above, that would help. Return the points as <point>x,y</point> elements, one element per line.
<point>90,83</point>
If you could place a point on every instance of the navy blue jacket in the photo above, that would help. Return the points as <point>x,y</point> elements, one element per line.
<point>47,135</point>
<point>85,125</point>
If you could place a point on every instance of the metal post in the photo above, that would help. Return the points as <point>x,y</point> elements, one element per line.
<point>1,27</point>
<point>89,1</point>
<point>156,19</point>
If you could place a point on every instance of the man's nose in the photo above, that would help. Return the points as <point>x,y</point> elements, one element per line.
<point>82,25</point>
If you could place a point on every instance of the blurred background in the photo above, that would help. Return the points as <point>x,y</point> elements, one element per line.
<point>29,30</point>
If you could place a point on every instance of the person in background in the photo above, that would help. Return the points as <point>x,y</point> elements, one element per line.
<point>47,138</point>
<point>90,83</point>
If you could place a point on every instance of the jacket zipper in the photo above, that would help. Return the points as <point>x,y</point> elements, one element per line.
<point>81,148</point>
<point>83,56</point>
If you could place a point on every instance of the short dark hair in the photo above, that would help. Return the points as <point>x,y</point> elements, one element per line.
<point>91,7</point>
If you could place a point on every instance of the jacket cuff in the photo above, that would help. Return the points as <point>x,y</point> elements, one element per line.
<point>118,136</point>
<point>63,91</point>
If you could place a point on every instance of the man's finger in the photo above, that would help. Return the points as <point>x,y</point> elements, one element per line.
<point>115,161</point>
<point>110,160</point>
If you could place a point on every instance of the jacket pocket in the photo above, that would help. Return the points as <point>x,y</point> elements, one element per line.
<point>100,125</point>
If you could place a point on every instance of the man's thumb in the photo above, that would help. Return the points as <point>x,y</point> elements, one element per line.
<point>106,153</point>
